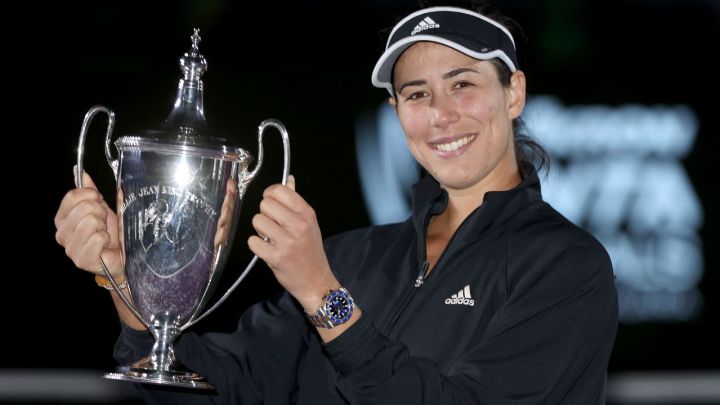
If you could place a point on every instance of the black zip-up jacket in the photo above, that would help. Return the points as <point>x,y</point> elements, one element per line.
<point>521,308</point>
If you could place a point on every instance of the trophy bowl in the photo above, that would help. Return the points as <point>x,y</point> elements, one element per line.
<point>179,192</point>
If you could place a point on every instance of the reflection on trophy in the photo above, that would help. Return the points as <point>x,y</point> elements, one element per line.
<point>179,191</point>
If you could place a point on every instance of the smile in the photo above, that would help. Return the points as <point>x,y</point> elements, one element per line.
<point>455,145</point>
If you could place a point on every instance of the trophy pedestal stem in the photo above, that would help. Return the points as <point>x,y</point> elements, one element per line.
<point>161,367</point>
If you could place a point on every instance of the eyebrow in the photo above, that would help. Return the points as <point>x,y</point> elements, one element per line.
<point>412,83</point>
<point>456,72</point>
<point>446,76</point>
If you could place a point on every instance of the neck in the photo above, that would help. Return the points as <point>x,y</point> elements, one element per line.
<point>462,202</point>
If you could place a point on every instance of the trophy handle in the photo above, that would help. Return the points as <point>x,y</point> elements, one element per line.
<point>286,172</point>
<point>286,149</point>
<point>113,165</point>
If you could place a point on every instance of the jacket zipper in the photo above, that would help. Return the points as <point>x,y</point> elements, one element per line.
<point>408,298</point>
<point>423,272</point>
<point>421,278</point>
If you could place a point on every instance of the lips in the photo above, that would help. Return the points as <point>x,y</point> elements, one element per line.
<point>453,146</point>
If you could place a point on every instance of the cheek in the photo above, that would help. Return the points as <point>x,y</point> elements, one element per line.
<point>485,105</point>
<point>413,124</point>
<point>414,131</point>
<point>481,110</point>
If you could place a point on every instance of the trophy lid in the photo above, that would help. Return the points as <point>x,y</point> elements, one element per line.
<point>185,130</point>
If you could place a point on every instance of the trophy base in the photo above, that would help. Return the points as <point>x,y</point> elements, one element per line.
<point>174,377</point>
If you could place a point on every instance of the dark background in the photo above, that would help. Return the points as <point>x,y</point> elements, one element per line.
<point>307,63</point>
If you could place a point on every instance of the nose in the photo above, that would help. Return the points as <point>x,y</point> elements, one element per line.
<point>444,111</point>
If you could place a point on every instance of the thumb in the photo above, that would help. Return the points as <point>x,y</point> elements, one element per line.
<point>86,179</point>
<point>291,182</point>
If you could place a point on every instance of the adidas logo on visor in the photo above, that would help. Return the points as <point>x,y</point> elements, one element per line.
<point>461,298</point>
<point>425,24</point>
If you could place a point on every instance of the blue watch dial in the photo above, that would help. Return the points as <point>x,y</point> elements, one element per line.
<point>339,306</point>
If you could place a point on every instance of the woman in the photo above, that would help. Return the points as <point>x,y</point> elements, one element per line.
<point>485,295</point>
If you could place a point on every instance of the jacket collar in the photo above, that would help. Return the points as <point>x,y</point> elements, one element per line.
<point>429,199</point>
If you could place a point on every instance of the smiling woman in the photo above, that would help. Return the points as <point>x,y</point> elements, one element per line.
<point>484,295</point>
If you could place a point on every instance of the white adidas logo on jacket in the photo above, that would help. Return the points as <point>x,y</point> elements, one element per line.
<point>461,298</point>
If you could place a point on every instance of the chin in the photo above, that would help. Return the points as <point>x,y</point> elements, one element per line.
<point>457,185</point>
<point>456,182</point>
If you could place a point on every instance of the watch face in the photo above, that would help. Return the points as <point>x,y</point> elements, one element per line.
<point>339,306</point>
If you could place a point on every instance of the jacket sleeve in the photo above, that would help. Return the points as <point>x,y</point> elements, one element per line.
<point>257,363</point>
<point>548,342</point>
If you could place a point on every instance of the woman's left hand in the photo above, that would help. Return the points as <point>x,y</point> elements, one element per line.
<point>294,249</point>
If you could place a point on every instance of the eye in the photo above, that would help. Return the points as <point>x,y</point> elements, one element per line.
<point>462,84</point>
<point>416,95</point>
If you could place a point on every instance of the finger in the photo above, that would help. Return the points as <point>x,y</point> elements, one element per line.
<point>89,254</point>
<point>87,243</point>
<point>291,182</point>
<point>71,200</point>
<point>265,226</point>
<point>113,263</point>
<point>286,196</point>
<point>262,249</point>
<point>231,186</point>
<point>86,209</point>
<point>277,211</point>
<point>89,184</point>
<point>85,226</point>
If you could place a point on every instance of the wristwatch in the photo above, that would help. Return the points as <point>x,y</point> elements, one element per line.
<point>337,308</point>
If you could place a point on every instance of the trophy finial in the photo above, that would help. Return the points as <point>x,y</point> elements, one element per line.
<point>195,38</point>
<point>192,63</point>
<point>188,117</point>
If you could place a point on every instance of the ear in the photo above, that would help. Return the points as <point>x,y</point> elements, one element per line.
<point>393,102</point>
<point>516,94</point>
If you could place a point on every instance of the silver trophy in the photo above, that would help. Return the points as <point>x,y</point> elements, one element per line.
<point>179,192</point>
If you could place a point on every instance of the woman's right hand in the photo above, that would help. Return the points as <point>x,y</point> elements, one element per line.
<point>87,228</point>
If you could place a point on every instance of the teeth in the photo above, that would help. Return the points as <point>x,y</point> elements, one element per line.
<point>455,145</point>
